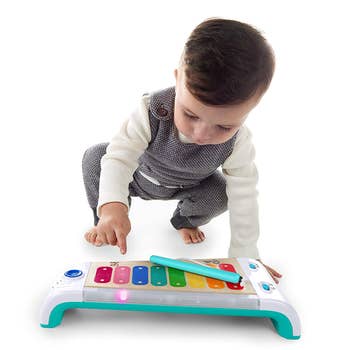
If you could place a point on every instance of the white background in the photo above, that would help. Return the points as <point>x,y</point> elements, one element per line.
<point>71,71</point>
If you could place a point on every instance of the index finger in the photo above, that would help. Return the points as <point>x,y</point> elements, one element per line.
<point>121,241</point>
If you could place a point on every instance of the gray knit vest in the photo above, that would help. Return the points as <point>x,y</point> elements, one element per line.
<point>171,161</point>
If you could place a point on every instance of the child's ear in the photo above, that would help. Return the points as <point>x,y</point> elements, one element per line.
<point>175,73</point>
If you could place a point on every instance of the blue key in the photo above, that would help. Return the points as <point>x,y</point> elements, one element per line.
<point>140,275</point>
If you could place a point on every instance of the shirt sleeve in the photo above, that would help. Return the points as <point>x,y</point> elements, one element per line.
<point>241,181</point>
<point>120,161</point>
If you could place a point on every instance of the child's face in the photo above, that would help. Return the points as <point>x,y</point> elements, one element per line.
<point>203,124</point>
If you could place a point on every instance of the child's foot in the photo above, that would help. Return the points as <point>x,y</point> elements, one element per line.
<point>91,237</point>
<point>192,235</point>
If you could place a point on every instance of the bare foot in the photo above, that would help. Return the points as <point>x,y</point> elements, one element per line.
<point>192,235</point>
<point>91,237</point>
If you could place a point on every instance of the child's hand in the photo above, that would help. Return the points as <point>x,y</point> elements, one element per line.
<point>114,225</point>
<point>274,274</point>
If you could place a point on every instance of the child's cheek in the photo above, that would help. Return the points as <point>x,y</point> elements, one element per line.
<point>182,125</point>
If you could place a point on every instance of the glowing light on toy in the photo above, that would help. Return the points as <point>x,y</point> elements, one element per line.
<point>122,295</point>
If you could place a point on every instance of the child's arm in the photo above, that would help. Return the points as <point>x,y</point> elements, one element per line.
<point>241,179</point>
<point>117,168</point>
<point>120,161</point>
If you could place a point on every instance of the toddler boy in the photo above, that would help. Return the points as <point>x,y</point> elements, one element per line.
<point>173,144</point>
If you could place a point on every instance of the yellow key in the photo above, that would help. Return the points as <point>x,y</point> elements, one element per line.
<point>195,281</point>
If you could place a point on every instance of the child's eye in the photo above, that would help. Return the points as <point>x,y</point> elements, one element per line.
<point>191,116</point>
<point>224,128</point>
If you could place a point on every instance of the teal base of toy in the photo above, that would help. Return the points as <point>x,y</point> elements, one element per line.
<point>280,321</point>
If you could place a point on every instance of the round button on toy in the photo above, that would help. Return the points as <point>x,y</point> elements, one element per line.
<point>266,287</point>
<point>253,266</point>
<point>73,273</point>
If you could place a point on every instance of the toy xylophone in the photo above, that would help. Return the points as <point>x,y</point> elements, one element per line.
<point>144,286</point>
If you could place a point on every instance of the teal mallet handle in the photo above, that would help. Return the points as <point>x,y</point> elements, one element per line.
<point>197,269</point>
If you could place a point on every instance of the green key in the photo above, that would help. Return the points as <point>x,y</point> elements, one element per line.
<point>158,276</point>
<point>176,277</point>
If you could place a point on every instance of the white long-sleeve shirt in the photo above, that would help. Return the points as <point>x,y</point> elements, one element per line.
<point>120,162</point>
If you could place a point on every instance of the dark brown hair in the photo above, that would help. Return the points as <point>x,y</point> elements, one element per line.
<point>226,62</point>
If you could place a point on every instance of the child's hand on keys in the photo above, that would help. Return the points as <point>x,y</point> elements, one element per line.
<point>113,226</point>
<point>273,273</point>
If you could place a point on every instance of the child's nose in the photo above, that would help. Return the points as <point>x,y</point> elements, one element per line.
<point>202,133</point>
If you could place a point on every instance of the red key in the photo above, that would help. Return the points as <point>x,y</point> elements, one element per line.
<point>229,267</point>
<point>103,274</point>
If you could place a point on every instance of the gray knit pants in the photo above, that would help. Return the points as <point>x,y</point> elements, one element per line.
<point>197,204</point>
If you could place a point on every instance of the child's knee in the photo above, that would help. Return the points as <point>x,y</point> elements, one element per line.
<point>92,157</point>
<point>220,202</point>
<point>217,196</point>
